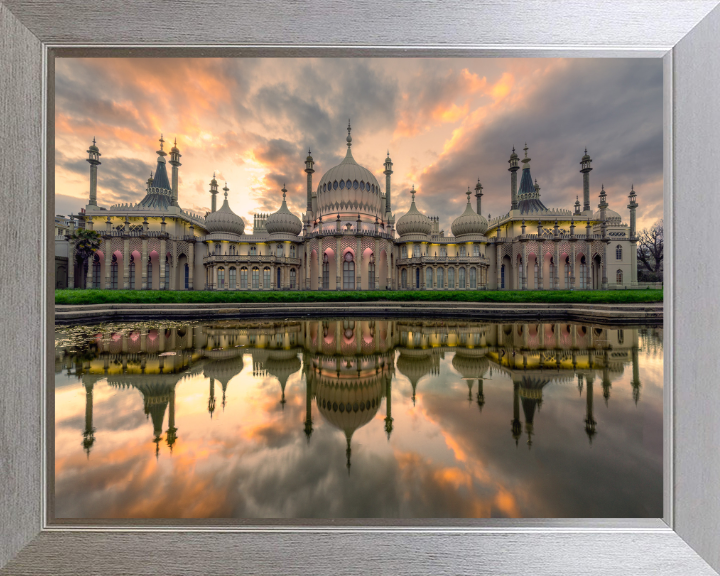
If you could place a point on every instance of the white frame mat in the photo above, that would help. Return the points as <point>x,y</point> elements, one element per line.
<point>685,33</point>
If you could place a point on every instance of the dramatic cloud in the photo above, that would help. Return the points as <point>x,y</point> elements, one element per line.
<point>446,122</point>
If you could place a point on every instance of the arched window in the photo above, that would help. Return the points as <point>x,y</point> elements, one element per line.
<point>463,251</point>
<point>428,278</point>
<point>132,272</point>
<point>167,273</point>
<point>243,278</point>
<point>253,250</point>
<point>502,276</point>
<point>552,274</point>
<point>278,282</point>
<point>567,273</point>
<point>619,277</point>
<point>443,251</point>
<point>403,278</point>
<point>441,278</point>
<point>279,250</point>
<point>187,276</point>
<point>355,184</point>
<point>292,250</point>
<point>232,280</point>
<point>618,252</point>
<point>451,278</point>
<point>221,278</point>
<point>342,184</point>
<point>217,249</point>
<point>292,278</point>
<point>476,250</point>
<point>537,274</point>
<point>114,272</point>
<point>256,278</point>
<point>417,278</point>
<point>348,272</point>
<point>416,250</point>
<point>371,273</point>
<point>461,278</point>
<point>266,278</point>
<point>149,273</point>
<point>583,273</point>
<point>326,272</point>
<point>335,185</point>
<point>473,278</point>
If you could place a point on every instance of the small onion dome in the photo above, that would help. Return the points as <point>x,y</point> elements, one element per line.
<point>469,222</point>
<point>283,221</point>
<point>93,147</point>
<point>586,157</point>
<point>224,220</point>
<point>414,222</point>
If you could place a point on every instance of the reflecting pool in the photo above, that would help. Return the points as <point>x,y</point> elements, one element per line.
<point>357,419</point>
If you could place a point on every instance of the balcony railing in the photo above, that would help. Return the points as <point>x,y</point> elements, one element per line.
<point>331,230</point>
<point>248,258</point>
<point>443,260</point>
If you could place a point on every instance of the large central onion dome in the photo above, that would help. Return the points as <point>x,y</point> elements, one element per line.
<point>349,187</point>
<point>224,220</point>
<point>469,222</point>
<point>414,222</point>
<point>283,221</point>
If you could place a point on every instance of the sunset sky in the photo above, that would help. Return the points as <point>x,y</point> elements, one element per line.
<point>446,123</point>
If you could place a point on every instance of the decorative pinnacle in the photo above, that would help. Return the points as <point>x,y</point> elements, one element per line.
<point>526,149</point>
<point>226,190</point>
<point>93,140</point>
<point>284,191</point>
<point>413,193</point>
<point>349,138</point>
<point>468,194</point>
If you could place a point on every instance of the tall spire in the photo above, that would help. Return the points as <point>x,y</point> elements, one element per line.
<point>478,196</point>
<point>94,160</point>
<point>349,137</point>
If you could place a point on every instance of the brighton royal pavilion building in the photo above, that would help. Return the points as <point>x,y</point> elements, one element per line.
<point>349,239</point>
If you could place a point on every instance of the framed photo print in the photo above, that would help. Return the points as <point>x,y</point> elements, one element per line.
<point>359,288</point>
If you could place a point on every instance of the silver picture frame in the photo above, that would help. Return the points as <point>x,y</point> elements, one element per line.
<point>685,34</point>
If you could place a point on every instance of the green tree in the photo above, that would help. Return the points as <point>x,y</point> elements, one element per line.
<point>87,242</point>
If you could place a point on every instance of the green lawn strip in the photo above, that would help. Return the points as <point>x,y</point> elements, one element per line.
<point>79,296</point>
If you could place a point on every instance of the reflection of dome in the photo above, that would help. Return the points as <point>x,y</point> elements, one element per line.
<point>349,187</point>
<point>611,216</point>
<point>224,220</point>
<point>414,222</point>
<point>282,364</point>
<point>470,366</point>
<point>283,221</point>
<point>225,369</point>
<point>469,222</point>
<point>414,364</point>
<point>349,407</point>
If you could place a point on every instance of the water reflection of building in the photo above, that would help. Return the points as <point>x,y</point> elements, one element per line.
<point>349,365</point>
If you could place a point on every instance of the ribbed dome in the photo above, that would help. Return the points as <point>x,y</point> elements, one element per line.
<point>611,216</point>
<point>224,220</point>
<point>414,222</point>
<point>283,221</point>
<point>349,187</point>
<point>469,222</point>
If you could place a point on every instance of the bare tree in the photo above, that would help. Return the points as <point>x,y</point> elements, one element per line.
<point>650,252</point>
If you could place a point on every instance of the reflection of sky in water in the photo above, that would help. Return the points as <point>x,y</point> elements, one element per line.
<point>446,455</point>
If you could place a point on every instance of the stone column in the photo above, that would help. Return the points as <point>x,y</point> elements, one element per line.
<point>603,267</point>
<point>573,257</point>
<point>359,265</point>
<point>71,264</point>
<point>88,277</point>
<point>173,266</point>
<point>143,263</point>
<point>126,263</point>
<point>498,250</point>
<point>541,264</point>
<point>388,280</point>
<point>191,264</point>
<point>376,255</point>
<point>161,261</point>
<point>308,264</point>
<point>556,258</point>
<point>108,261</point>
<point>338,265</point>
<point>214,277</point>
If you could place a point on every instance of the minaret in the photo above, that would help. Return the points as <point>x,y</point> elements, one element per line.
<point>388,407</point>
<point>480,395</point>
<point>633,235</point>
<point>603,217</point>
<point>577,206</point>
<point>94,160</point>
<point>175,163</point>
<point>585,169</point>
<point>516,424</point>
<point>478,195</point>
<point>514,167</point>
<point>214,192</point>
<point>636,375</point>
<point>211,399</point>
<point>388,171</point>
<point>89,432</point>
<point>589,420</point>
<point>309,171</point>
<point>171,435</point>
<point>308,408</point>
